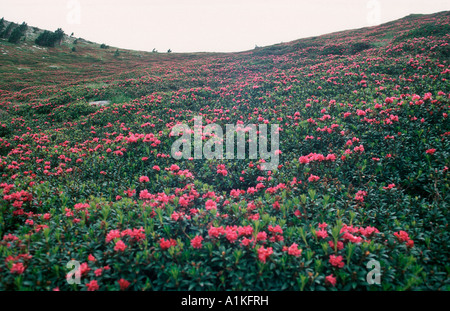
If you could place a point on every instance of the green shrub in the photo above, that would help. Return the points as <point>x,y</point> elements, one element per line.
<point>359,47</point>
<point>72,111</point>
<point>333,50</point>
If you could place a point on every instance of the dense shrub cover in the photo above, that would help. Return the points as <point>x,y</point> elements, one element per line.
<point>363,171</point>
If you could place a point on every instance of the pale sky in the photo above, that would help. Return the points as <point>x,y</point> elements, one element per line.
<point>207,25</point>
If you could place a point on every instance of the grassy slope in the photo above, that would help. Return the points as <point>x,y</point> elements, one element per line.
<point>45,106</point>
<point>25,65</point>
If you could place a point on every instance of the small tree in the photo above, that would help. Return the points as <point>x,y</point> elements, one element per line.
<point>44,39</point>
<point>5,34</point>
<point>169,51</point>
<point>18,33</point>
<point>2,24</point>
<point>58,36</point>
<point>49,39</point>
<point>116,53</point>
<point>15,36</point>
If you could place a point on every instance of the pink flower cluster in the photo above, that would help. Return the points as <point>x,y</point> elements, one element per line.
<point>336,261</point>
<point>293,250</point>
<point>264,253</point>
<point>360,195</point>
<point>318,157</point>
<point>196,242</point>
<point>403,236</point>
<point>135,235</point>
<point>221,170</point>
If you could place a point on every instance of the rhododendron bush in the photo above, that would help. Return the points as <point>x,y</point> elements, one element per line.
<point>362,174</point>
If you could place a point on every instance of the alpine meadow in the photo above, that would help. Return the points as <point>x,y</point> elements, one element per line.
<point>93,197</point>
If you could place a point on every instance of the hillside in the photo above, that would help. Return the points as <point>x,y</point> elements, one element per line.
<point>361,173</point>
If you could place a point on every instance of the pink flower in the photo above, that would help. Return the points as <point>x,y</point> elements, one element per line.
<point>360,195</point>
<point>246,230</point>
<point>431,151</point>
<point>29,222</point>
<point>246,241</point>
<point>340,245</point>
<point>174,167</point>
<point>84,268</point>
<point>164,244</point>
<point>336,261</point>
<point>210,204</point>
<point>120,246</point>
<point>144,179</point>
<point>113,234</point>
<point>130,192</point>
<point>222,172</point>
<point>303,160</point>
<point>261,236</point>
<point>81,206</point>
<point>235,193</point>
<point>197,242</point>
<point>390,186</point>
<point>17,268</point>
<point>402,236</point>
<point>276,229</point>
<point>323,225</point>
<point>214,232</point>
<point>98,272</point>
<point>331,157</point>
<point>231,234</point>
<point>123,284</point>
<point>251,190</point>
<point>175,216</point>
<point>183,202</point>
<point>264,253</point>
<point>91,258</point>
<point>92,286</point>
<point>313,178</point>
<point>322,233</point>
<point>156,168</point>
<point>410,243</point>
<point>276,205</point>
<point>294,250</point>
<point>330,280</point>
